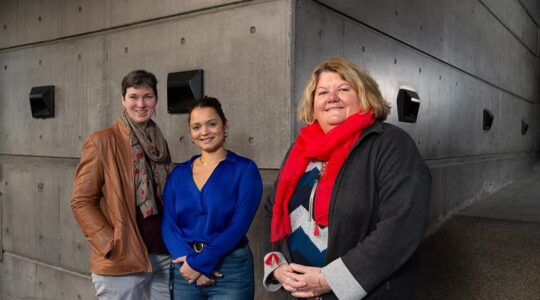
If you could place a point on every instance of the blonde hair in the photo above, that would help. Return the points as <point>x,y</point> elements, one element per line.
<point>364,85</point>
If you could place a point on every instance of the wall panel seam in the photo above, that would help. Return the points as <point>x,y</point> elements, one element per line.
<point>507,28</point>
<point>127,25</point>
<point>527,12</point>
<point>46,265</point>
<point>424,52</point>
<point>472,159</point>
<point>9,157</point>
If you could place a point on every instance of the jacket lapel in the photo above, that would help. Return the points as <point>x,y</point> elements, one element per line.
<point>125,166</point>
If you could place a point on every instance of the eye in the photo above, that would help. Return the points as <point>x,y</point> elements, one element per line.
<point>194,128</point>
<point>320,93</point>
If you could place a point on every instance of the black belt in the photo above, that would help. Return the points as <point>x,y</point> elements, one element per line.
<point>199,246</point>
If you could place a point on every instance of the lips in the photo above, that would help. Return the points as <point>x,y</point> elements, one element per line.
<point>207,139</point>
<point>139,113</point>
<point>333,108</point>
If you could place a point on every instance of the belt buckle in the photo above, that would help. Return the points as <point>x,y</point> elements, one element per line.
<point>198,246</point>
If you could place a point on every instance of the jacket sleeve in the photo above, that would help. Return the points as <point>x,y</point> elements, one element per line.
<point>274,253</point>
<point>87,186</point>
<point>402,189</point>
<point>267,222</point>
<point>249,197</point>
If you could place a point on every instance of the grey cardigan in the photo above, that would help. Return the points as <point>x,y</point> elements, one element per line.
<point>377,214</point>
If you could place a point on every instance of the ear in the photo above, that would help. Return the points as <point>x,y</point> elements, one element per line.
<point>123,101</point>
<point>226,129</point>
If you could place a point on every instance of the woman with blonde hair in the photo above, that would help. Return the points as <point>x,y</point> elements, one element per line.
<point>351,199</point>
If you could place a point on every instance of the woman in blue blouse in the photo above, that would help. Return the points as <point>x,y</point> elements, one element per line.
<point>210,201</point>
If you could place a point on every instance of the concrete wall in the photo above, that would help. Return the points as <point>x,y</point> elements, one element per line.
<point>85,54</point>
<point>27,22</point>
<point>87,70</point>
<point>461,55</point>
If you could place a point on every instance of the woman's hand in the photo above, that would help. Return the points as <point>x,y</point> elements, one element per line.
<point>205,281</point>
<point>285,275</point>
<point>316,284</point>
<point>189,274</point>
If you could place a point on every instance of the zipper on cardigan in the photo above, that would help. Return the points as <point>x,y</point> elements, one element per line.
<point>312,199</point>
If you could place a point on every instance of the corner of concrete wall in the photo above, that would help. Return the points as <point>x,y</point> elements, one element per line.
<point>458,73</point>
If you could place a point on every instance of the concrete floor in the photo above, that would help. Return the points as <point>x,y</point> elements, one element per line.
<point>490,250</point>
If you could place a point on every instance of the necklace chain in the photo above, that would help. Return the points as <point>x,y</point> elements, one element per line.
<point>202,161</point>
<point>207,164</point>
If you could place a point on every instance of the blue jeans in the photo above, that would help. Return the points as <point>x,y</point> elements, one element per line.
<point>237,282</point>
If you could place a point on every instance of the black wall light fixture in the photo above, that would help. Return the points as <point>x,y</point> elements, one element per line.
<point>487,120</point>
<point>524,127</point>
<point>42,101</point>
<point>183,88</point>
<point>408,104</point>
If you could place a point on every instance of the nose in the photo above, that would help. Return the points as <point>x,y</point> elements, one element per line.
<point>332,96</point>
<point>140,103</point>
<point>204,130</point>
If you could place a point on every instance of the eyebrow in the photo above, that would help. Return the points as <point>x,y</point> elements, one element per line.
<point>197,123</point>
<point>147,94</point>
<point>339,85</point>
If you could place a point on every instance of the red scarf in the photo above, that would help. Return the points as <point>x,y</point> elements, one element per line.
<point>313,144</point>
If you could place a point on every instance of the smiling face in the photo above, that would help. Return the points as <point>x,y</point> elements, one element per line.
<point>334,101</point>
<point>207,129</point>
<point>140,104</point>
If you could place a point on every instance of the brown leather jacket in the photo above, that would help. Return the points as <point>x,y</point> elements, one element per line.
<point>103,202</point>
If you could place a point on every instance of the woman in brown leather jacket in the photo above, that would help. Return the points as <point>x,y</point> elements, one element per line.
<point>117,198</point>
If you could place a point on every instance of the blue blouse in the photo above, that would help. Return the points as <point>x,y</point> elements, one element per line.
<point>219,214</point>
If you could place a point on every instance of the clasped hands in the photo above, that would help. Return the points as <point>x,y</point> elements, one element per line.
<point>302,281</point>
<point>191,275</point>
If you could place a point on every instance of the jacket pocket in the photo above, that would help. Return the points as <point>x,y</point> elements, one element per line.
<point>117,247</point>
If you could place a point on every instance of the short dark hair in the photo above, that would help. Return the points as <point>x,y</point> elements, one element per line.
<point>208,102</point>
<point>138,79</point>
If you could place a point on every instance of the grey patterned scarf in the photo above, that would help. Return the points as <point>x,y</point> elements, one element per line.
<point>151,164</point>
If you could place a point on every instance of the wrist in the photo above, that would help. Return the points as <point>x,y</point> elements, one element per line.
<point>323,284</point>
